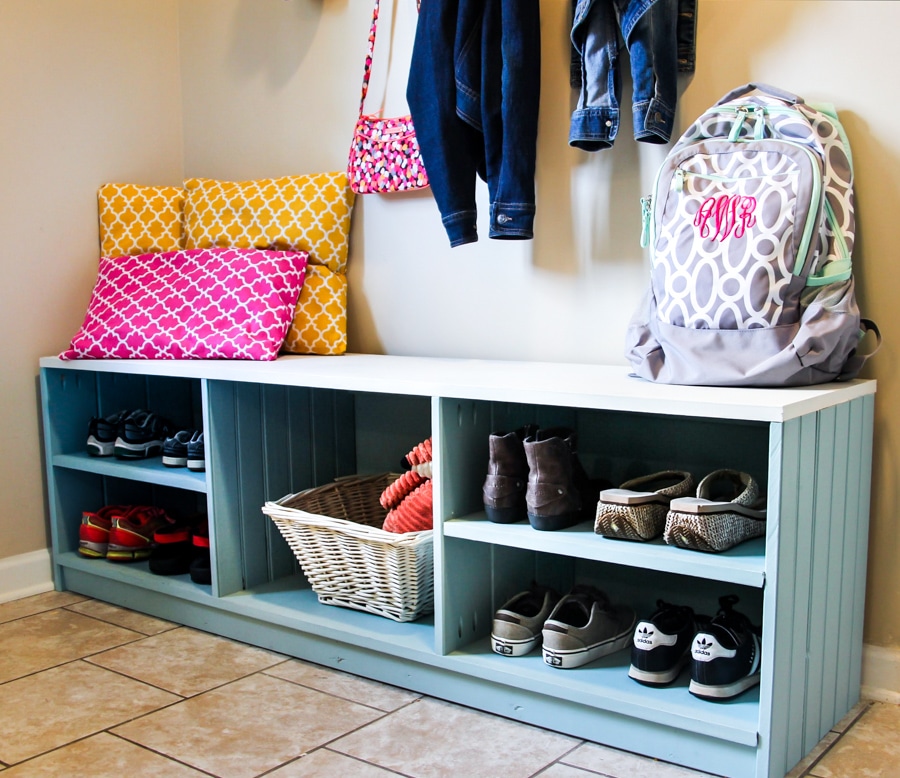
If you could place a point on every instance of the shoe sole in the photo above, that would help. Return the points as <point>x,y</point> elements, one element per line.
<point>127,554</point>
<point>723,691</point>
<point>565,660</point>
<point>100,448</point>
<point>506,647</point>
<point>92,550</point>
<point>554,523</point>
<point>170,461</point>
<point>196,464</point>
<point>657,677</point>
<point>125,450</point>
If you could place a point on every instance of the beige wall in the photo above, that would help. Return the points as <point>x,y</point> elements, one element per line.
<point>89,92</point>
<point>270,87</point>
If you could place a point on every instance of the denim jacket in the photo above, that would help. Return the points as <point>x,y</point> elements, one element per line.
<point>473,93</point>
<point>660,38</point>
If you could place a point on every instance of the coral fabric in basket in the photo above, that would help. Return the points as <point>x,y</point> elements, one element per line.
<point>215,303</point>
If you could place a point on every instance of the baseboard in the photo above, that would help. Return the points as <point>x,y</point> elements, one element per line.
<point>881,674</point>
<point>25,574</point>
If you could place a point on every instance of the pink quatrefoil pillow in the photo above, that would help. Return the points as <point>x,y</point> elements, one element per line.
<point>214,303</point>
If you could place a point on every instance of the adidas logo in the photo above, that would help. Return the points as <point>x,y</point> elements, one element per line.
<point>703,647</point>
<point>644,635</point>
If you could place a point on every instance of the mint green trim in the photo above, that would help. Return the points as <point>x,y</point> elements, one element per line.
<point>838,270</point>
<point>827,108</point>
<point>843,251</point>
<point>759,131</point>
<point>740,118</point>
<point>646,220</point>
<point>812,216</point>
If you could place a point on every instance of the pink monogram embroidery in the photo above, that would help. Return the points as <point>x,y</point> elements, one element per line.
<point>729,214</point>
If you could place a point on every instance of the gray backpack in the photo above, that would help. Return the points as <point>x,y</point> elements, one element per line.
<point>751,230</point>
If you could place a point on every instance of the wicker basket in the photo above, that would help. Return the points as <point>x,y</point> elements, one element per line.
<point>335,533</point>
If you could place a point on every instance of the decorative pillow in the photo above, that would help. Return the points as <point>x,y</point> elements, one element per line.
<point>295,213</point>
<point>140,219</point>
<point>199,304</point>
<point>320,319</point>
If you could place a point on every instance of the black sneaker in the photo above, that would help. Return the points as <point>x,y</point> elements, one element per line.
<point>725,656</point>
<point>662,643</point>
<point>175,449</point>
<point>102,433</point>
<point>141,435</point>
<point>196,452</point>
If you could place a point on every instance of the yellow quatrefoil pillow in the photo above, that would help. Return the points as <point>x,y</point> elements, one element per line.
<point>140,219</point>
<point>293,213</point>
<point>320,319</point>
<point>300,213</point>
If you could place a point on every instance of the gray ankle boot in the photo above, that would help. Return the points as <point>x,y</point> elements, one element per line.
<point>556,480</point>
<point>504,487</point>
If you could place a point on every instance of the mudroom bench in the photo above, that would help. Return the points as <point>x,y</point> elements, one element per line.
<point>275,428</point>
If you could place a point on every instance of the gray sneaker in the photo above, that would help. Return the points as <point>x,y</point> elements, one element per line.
<point>518,624</point>
<point>585,626</point>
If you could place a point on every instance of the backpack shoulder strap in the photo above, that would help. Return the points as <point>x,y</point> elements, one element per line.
<point>856,360</point>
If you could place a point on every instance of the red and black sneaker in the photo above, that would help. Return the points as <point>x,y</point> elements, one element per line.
<point>201,565</point>
<point>93,534</point>
<point>173,550</point>
<point>131,535</point>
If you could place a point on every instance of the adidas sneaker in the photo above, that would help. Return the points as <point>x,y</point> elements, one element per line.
<point>725,656</point>
<point>662,644</point>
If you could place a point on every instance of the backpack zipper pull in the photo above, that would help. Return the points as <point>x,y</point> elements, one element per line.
<point>759,131</point>
<point>738,125</point>
<point>678,180</point>
<point>646,203</point>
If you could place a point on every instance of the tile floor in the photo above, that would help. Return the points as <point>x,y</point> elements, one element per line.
<point>89,689</point>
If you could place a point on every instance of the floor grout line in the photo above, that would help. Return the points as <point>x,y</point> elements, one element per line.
<point>854,717</point>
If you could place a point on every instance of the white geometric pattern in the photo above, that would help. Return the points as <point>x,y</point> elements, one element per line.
<point>140,219</point>
<point>725,247</point>
<point>196,304</point>
<point>813,129</point>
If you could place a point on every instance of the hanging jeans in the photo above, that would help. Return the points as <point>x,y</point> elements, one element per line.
<point>659,36</point>
<point>473,93</point>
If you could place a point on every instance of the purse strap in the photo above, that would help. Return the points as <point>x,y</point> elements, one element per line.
<point>367,72</point>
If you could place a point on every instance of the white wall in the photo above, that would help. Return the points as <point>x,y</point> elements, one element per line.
<point>90,92</point>
<point>280,95</point>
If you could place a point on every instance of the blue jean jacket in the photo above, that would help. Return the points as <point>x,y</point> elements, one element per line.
<point>473,93</point>
<point>659,36</point>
